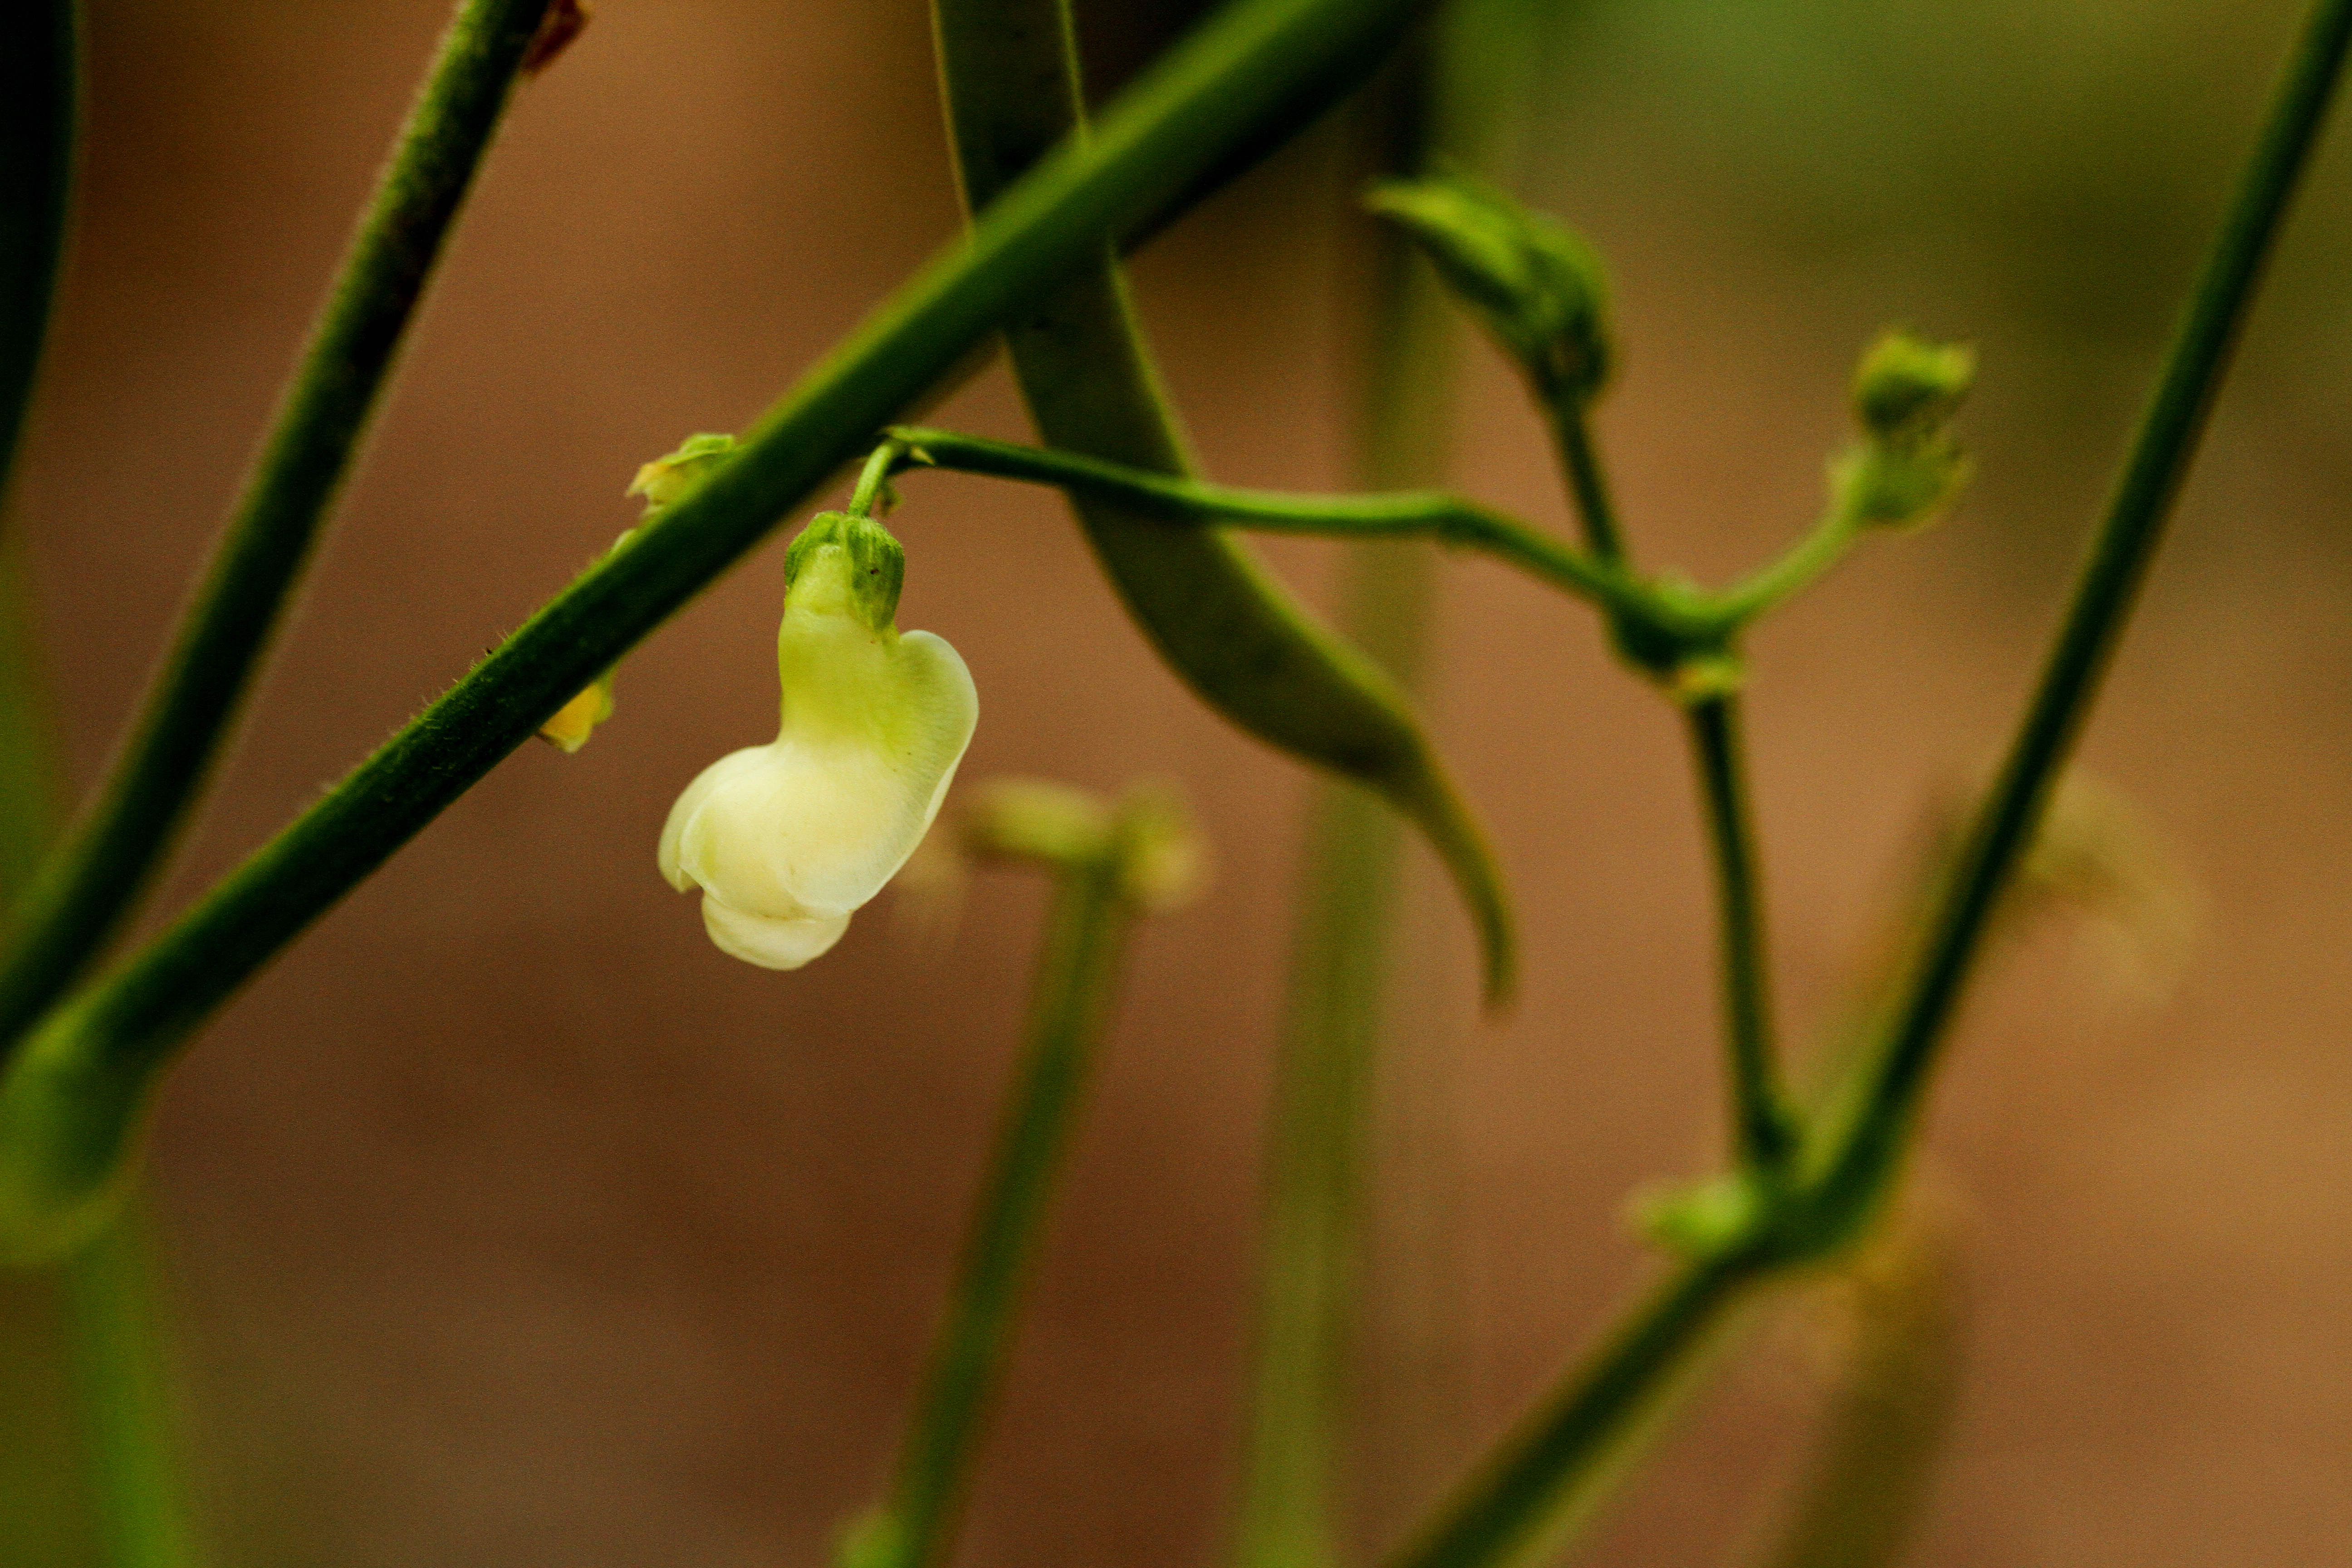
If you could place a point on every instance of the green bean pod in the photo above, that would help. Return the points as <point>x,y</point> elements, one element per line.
<point>1233,634</point>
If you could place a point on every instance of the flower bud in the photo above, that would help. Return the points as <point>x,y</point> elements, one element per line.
<point>1907,387</point>
<point>787,840</point>
<point>1906,390</point>
<point>1539,290</point>
<point>664,479</point>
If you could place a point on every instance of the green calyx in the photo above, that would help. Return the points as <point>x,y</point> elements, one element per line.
<point>1539,290</point>
<point>845,564</point>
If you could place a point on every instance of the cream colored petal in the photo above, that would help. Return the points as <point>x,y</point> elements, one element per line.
<point>674,830</point>
<point>834,808</point>
<point>770,943</point>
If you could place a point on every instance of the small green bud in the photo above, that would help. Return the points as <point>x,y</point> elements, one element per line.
<point>1539,290</point>
<point>1906,390</point>
<point>664,479</point>
<point>843,562</point>
<point>1907,387</point>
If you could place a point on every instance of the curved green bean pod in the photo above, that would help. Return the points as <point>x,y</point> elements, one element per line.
<point>1223,622</point>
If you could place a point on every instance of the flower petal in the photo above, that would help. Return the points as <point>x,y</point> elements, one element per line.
<point>770,943</point>
<point>674,830</point>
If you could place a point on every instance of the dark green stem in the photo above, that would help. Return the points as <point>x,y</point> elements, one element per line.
<point>91,887</point>
<point>1860,1162</point>
<point>1764,1130</point>
<point>69,1103</point>
<point>1396,514</point>
<point>1085,935</point>
<point>39,81</point>
<point>1534,1478</point>
<point>1587,485</point>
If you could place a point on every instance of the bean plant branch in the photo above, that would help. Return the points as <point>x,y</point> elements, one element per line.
<point>1763,1125</point>
<point>1588,483</point>
<point>69,1103</point>
<point>92,885</point>
<point>1844,1176</point>
<point>1086,933</point>
<point>1397,514</point>
<point>1857,1164</point>
<point>40,82</point>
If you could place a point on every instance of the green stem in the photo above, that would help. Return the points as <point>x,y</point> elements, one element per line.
<point>92,885</point>
<point>1085,936</point>
<point>1587,483</point>
<point>1536,1476</point>
<point>1329,1058</point>
<point>39,81</point>
<point>1859,1163</point>
<point>128,1415</point>
<point>1801,565</point>
<point>1221,622</point>
<point>1764,1131</point>
<point>1396,514</point>
<point>70,1102</point>
<point>873,478</point>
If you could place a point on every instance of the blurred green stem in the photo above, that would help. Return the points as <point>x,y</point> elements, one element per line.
<point>1588,483</point>
<point>1536,1474</point>
<point>1763,1125</point>
<point>1535,1471</point>
<point>1327,1065</point>
<point>1085,936</point>
<point>1859,1162</point>
<point>92,885</point>
<point>69,1103</point>
<point>128,1409</point>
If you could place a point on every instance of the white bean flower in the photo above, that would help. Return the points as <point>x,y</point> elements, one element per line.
<point>786,840</point>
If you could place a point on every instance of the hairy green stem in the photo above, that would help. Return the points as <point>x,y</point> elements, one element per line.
<point>1763,1126</point>
<point>1085,935</point>
<point>69,1103</point>
<point>1858,1163</point>
<point>1395,514</point>
<point>40,82</point>
<point>91,887</point>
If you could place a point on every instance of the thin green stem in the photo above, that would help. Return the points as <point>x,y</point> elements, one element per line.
<point>1764,1128</point>
<point>1085,937</point>
<point>70,1102</point>
<point>1588,484</point>
<point>92,885</point>
<point>1797,569</point>
<point>873,478</point>
<point>129,1418</point>
<point>40,82</point>
<point>1330,1055</point>
<point>1396,514</point>
<point>1859,1163</point>
<point>1536,1476</point>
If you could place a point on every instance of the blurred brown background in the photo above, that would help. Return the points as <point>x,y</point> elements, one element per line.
<point>510,1223</point>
